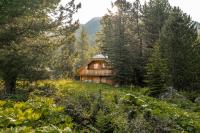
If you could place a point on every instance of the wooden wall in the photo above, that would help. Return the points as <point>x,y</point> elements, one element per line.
<point>97,71</point>
<point>96,79</point>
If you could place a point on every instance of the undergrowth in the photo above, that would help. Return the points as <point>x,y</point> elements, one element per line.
<point>70,106</point>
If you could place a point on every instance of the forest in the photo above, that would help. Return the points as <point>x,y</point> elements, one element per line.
<point>154,51</point>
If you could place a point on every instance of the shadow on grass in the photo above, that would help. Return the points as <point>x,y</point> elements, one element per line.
<point>19,95</point>
<point>23,92</point>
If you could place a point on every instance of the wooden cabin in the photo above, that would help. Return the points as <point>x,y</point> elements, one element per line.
<point>97,70</point>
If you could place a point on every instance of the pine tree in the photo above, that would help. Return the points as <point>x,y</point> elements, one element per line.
<point>116,44</point>
<point>123,44</point>
<point>177,44</point>
<point>136,15</point>
<point>83,46</point>
<point>195,65</point>
<point>24,30</point>
<point>154,13</point>
<point>157,72</point>
<point>137,51</point>
<point>64,57</point>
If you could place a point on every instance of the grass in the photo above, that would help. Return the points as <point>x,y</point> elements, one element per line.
<point>101,108</point>
<point>161,109</point>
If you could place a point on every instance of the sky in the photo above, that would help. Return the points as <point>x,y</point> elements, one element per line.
<point>97,8</point>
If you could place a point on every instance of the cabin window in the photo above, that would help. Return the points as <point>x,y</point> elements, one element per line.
<point>96,66</point>
<point>103,65</point>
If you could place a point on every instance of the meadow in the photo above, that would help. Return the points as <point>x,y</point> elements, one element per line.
<point>64,106</point>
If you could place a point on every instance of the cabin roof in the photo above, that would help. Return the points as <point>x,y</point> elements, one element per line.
<point>99,56</point>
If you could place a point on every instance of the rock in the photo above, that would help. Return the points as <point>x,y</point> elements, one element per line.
<point>68,130</point>
<point>116,85</point>
<point>197,100</point>
<point>171,93</point>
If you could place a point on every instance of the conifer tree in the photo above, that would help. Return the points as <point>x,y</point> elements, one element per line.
<point>123,42</point>
<point>177,44</point>
<point>154,13</point>
<point>83,47</point>
<point>116,44</point>
<point>137,49</point>
<point>64,57</point>
<point>24,31</point>
<point>195,65</point>
<point>157,72</point>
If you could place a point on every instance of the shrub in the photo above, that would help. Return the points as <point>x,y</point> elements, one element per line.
<point>36,112</point>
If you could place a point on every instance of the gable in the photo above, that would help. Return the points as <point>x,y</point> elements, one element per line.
<point>101,64</point>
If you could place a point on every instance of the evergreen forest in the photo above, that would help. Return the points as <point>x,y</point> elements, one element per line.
<point>153,49</point>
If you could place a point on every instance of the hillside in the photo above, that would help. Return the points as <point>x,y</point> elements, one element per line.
<point>70,106</point>
<point>92,27</point>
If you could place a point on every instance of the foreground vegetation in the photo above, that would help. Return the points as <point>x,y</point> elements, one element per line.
<point>37,42</point>
<point>69,106</point>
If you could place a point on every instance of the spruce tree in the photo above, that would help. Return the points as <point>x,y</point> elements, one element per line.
<point>195,65</point>
<point>137,51</point>
<point>83,46</point>
<point>154,13</point>
<point>116,42</point>
<point>177,44</point>
<point>157,72</point>
<point>123,44</point>
<point>63,57</point>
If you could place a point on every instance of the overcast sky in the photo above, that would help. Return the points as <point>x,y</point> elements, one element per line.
<point>97,8</point>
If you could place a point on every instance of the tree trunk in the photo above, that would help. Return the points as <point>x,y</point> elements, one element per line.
<point>10,85</point>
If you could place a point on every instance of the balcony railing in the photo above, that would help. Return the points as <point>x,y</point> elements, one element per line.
<point>96,73</point>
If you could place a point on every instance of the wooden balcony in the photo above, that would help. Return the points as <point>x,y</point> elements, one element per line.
<point>96,73</point>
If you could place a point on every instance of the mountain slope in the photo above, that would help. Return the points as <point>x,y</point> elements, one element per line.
<point>91,27</point>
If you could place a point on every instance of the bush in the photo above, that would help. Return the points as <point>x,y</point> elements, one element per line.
<point>65,106</point>
<point>36,112</point>
<point>104,122</point>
